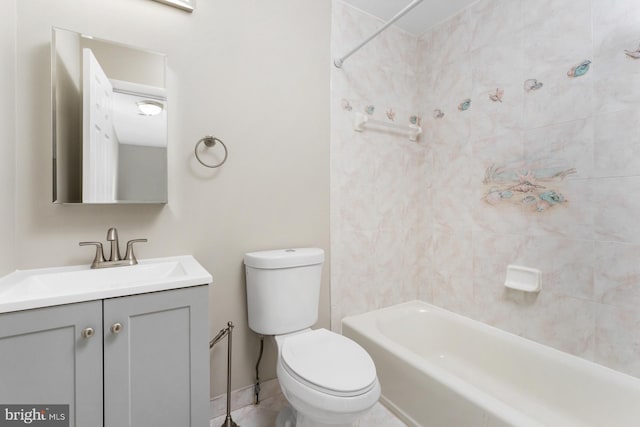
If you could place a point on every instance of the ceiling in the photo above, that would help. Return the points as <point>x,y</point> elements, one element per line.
<point>417,21</point>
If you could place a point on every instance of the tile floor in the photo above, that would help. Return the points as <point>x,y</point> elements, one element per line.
<point>264,415</point>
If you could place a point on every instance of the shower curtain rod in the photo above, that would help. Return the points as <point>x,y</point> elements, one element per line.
<point>339,61</point>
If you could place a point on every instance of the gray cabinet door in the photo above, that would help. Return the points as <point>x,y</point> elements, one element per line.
<point>45,360</point>
<point>156,369</point>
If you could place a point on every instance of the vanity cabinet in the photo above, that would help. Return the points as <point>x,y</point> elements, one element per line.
<point>45,360</point>
<point>146,363</point>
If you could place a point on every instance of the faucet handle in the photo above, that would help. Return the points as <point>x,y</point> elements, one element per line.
<point>99,252</point>
<point>129,255</point>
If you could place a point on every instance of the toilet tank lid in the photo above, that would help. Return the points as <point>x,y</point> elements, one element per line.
<point>284,258</point>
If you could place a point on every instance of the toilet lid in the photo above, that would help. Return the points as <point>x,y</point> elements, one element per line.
<point>329,361</point>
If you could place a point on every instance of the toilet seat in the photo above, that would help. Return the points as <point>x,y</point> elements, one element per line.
<point>329,363</point>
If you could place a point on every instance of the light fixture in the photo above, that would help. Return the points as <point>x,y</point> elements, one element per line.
<point>150,108</point>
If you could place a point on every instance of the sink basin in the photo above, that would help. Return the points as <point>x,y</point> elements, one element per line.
<point>26,289</point>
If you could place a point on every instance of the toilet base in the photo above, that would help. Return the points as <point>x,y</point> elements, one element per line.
<point>286,417</point>
<point>289,417</point>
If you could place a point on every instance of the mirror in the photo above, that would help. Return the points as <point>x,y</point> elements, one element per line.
<point>109,107</point>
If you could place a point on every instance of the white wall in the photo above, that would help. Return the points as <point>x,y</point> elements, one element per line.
<point>253,73</point>
<point>7,136</point>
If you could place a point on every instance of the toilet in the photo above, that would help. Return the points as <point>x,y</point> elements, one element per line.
<point>328,379</point>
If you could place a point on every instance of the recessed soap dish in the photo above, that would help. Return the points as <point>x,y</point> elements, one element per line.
<point>523,278</point>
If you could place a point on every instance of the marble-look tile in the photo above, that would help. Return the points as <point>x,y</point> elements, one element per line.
<point>426,53</point>
<point>450,40</point>
<point>535,11</point>
<point>615,25</point>
<point>553,44</point>
<point>562,315</point>
<point>520,153</point>
<point>493,20</point>
<point>556,35</point>
<point>566,265</point>
<point>492,300</point>
<point>424,249</point>
<point>568,145</point>
<point>415,264</point>
<point>559,100</point>
<point>389,286</point>
<point>497,71</point>
<point>265,414</point>
<point>355,279</point>
<point>567,325</point>
<point>452,186</point>
<point>558,321</point>
<point>573,219</point>
<point>504,249</point>
<point>490,153</point>
<point>617,274</point>
<point>412,220</point>
<point>502,218</point>
<point>376,175</point>
<point>618,338</point>
<point>498,306</point>
<point>452,85</point>
<point>356,199</point>
<point>617,143</point>
<point>616,80</point>
<point>617,217</point>
<point>453,277</point>
<point>379,416</point>
<point>494,151</point>
<point>262,415</point>
<point>394,184</point>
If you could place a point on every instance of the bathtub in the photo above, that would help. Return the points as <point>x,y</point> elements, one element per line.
<point>441,369</point>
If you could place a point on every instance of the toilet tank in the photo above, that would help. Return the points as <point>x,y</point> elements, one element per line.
<point>283,289</point>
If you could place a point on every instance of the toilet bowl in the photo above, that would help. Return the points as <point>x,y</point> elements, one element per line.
<point>328,379</point>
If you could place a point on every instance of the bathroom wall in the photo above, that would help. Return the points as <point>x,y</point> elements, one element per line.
<point>527,158</point>
<point>538,169</point>
<point>7,136</point>
<point>253,73</point>
<point>377,176</point>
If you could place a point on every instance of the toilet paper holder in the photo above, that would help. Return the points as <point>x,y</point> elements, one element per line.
<point>228,331</point>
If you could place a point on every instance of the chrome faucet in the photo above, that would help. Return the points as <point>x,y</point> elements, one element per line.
<point>115,260</point>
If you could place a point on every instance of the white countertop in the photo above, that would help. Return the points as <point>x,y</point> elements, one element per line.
<point>27,289</point>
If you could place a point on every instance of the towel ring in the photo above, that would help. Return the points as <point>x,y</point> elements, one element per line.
<point>210,141</point>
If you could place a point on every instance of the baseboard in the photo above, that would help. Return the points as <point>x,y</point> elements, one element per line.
<point>402,416</point>
<point>243,397</point>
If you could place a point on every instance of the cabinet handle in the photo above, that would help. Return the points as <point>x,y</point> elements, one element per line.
<point>87,332</point>
<point>116,328</point>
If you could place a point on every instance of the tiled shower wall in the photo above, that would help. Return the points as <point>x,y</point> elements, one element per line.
<point>528,157</point>
<point>377,187</point>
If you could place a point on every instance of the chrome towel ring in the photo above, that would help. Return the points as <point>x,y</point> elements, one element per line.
<point>210,141</point>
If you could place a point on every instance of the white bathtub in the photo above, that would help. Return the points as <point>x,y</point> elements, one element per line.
<point>441,369</point>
